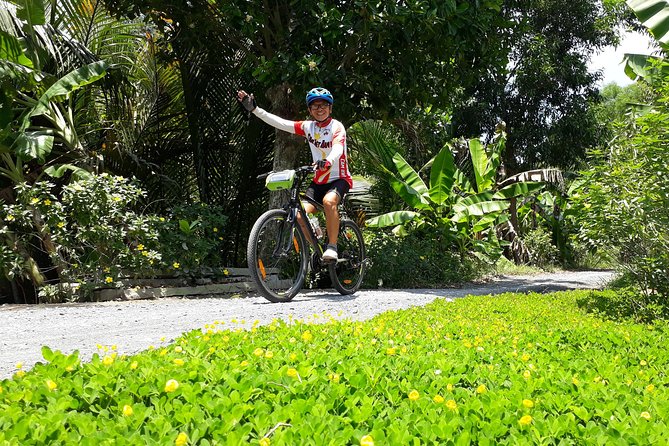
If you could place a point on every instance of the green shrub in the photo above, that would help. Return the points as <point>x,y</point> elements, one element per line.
<point>505,370</point>
<point>413,261</point>
<point>191,238</point>
<point>625,303</point>
<point>543,253</point>
<point>92,236</point>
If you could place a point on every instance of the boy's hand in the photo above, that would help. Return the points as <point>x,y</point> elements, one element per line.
<point>323,164</point>
<point>247,100</point>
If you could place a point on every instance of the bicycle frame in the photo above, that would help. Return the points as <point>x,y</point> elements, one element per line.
<point>293,207</point>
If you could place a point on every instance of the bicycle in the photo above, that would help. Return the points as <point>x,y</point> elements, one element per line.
<point>279,255</point>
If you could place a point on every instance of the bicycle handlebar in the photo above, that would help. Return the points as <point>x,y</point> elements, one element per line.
<point>302,169</point>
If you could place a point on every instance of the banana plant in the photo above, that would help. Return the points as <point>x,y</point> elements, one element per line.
<point>654,15</point>
<point>463,211</point>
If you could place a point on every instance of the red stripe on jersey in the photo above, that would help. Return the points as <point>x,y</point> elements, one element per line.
<point>298,128</point>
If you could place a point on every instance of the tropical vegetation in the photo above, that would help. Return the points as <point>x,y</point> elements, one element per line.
<point>134,99</point>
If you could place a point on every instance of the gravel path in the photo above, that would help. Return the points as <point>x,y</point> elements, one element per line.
<point>134,325</point>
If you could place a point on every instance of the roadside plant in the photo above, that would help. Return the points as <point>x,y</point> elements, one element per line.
<point>85,233</point>
<point>458,212</point>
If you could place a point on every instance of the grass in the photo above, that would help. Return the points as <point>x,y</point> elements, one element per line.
<point>510,369</point>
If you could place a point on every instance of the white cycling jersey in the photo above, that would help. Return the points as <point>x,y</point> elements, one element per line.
<point>327,140</point>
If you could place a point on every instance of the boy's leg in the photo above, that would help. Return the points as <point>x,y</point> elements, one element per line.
<point>330,205</point>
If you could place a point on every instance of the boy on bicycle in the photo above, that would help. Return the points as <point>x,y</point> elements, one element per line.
<point>327,139</point>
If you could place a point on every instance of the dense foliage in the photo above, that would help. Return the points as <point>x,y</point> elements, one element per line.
<point>514,369</point>
<point>546,95</point>
<point>88,236</point>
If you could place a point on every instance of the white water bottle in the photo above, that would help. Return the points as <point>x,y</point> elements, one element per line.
<point>315,225</point>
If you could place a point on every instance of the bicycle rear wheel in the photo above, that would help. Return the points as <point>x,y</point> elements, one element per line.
<point>349,270</point>
<point>278,256</point>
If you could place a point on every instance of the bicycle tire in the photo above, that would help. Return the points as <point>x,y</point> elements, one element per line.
<point>278,276</point>
<point>348,272</point>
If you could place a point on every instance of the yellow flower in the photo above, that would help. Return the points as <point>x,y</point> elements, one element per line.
<point>481,389</point>
<point>47,202</point>
<point>525,357</point>
<point>451,405</point>
<point>650,388</point>
<point>51,385</point>
<point>525,420</point>
<point>307,336</point>
<point>258,351</point>
<point>449,387</point>
<point>292,372</point>
<point>19,365</point>
<point>34,201</point>
<point>391,351</point>
<point>645,415</point>
<point>182,439</point>
<point>367,440</point>
<point>20,374</point>
<point>264,441</point>
<point>244,363</point>
<point>140,247</point>
<point>643,363</point>
<point>414,395</point>
<point>176,265</point>
<point>61,224</point>
<point>269,354</point>
<point>109,279</point>
<point>527,374</point>
<point>127,410</point>
<point>575,381</point>
<point>179,362</point>
<point>226,272</point>
<point>215,229</point>
<point>108,360</point>
<point>438,399</point>
<point>528,403</point>
<point>10,217</point>
<point>171,385</point>
<point>334,377</point>
<point>134,365</point>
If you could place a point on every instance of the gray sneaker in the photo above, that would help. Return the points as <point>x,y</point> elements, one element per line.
<point>330,254</point>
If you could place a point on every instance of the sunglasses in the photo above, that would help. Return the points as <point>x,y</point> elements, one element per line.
<point>319,106</point>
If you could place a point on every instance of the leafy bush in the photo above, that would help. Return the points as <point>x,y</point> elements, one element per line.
<point>191,237</point>
<point>91,236</point>
<point>543,253</point>
<point>414,261</point>
<point>624,200</point>
<point>513,369</point>
<point>625,303</point>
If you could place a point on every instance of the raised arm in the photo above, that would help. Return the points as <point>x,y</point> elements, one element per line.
<point>249,103</point>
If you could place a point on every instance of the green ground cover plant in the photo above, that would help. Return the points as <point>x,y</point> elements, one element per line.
<point>511,369</point>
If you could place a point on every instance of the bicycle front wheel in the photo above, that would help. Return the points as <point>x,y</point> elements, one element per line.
<point>278,256</point>
<point>349,270</point>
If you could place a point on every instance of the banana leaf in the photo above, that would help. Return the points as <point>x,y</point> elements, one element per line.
<point>391,219</point>
<point>409,194</point>
<point>479,210</point>
<point>67,84</point>
<point>33,145</point>
<point>409,175</point>
<point>482,169</point>
<point>442,176</point>
<point>518,189</point>
<point>654,15</point>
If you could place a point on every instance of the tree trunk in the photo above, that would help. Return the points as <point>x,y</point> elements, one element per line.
<point>287,147</point>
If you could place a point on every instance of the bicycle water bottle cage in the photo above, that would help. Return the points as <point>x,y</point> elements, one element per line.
<point>280,180</point>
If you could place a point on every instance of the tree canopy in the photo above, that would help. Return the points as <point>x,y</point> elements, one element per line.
<point>546,93</point>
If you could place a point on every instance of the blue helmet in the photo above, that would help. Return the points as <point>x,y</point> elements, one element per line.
<point>319,93</point>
